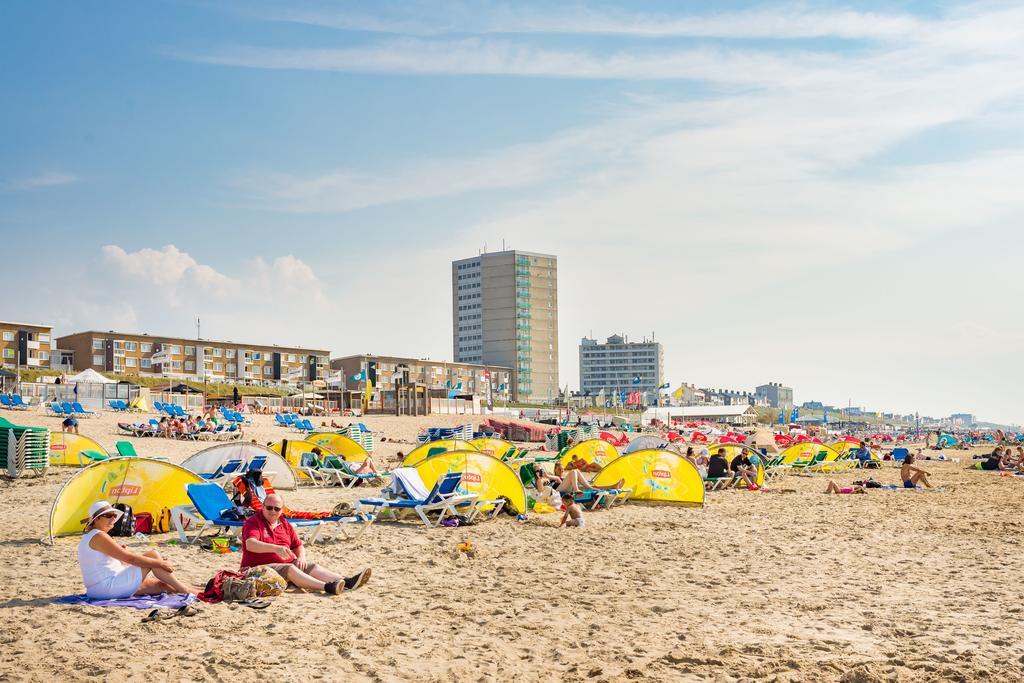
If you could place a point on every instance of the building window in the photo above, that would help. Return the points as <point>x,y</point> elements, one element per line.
<point>218,367</point>
<point>231,368</point>
<point>190,365</point>
<point>43,355</point>
<point>256,355</point>
<point>175,349</point>
<point>44,339</point>
<point>217,352</point>
<point>8,336</point>
<point>230,353</point>
<point>146,364</point>
<point>98,360</point>
<point>267,370</point>
<point>176,365</point>
<point>146,347</point>
<point>97,344</point>
<point>130,346</point>
<point>130,362</point>
<point>190,350</point>
<point>8,353</point>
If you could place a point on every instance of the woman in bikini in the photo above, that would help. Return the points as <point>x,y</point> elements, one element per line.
<point>833,487</point>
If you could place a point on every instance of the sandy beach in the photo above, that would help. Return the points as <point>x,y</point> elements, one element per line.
<point>782,585</point>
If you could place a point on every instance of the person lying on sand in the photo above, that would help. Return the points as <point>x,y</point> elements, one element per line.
<point>109,571</point>
<point>912,475</point>
<point>574,482</point>
<point>995,462</point>
<point>578,463</point>
<point>833,487</point>
<point>268,539</point>
<point>573,515</point>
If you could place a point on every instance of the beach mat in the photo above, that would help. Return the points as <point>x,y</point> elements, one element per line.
<point>164,600</point>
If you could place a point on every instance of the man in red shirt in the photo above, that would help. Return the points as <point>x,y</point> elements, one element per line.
<point>268,539</point>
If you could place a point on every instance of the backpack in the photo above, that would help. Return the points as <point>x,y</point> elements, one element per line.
<point>125,524</point>
<point>162,521</point>
<point>143,523</point>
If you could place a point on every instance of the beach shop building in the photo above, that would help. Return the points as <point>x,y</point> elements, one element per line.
<point>147,355</point>
<point>734,415</point>
<point>25,346</point>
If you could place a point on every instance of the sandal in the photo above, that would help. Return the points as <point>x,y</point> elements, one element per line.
<point>255,603</point>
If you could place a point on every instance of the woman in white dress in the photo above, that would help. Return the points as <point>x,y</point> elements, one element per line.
<point>110,571</point>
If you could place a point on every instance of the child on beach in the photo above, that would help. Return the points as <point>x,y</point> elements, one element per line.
<point>573,516</point>
<point>912,475</point>
<point>833,487</point>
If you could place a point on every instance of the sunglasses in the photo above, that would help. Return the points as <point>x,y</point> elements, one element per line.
<point>272,508</point>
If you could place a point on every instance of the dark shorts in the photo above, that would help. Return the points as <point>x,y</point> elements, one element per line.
<point>907,484</point>
<point>282,568</point>
<point>71,422</point>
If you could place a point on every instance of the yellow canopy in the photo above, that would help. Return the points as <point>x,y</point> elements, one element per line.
<point>491,446</point>
<point>292,451</point>
<point>424,451</point>
<point>139,403</point>
<point>655,475</point>
<point>146,485</point>
<point>592,450</point>
<point>339,444</point>
<point>482,474</point>
<point>807,451</point>
<point>66,449</point>
<point>733,449</point>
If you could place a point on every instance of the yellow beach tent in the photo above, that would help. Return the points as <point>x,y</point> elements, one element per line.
<point>139,403</point>
<point>66,449</point>
<point>339,444</point>
<point>844,448</point>
<point>424,451</point>
<point>592,450</point>
<point>657,475</point>
<point>292,451</point>
<point>482,474</point>
<point>807,451</point>
<point>734,449</point>
<point>491,446</point>
<point>146,485</point>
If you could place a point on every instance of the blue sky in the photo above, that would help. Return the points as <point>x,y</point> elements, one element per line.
<point>825,195</point>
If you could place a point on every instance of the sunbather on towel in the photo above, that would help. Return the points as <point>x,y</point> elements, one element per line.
<point>995,462</point>
<point>578,463</point>
<point>110,571</point>
<point>911,475</point>
<point>833,487</point>
<point>268,539</point>
<point>573,515</point>
<point>574,482</point>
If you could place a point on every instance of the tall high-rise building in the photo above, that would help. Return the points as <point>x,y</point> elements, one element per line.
<point>616,365</point>
<point>505,312</point>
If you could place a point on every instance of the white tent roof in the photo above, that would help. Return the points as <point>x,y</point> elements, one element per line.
<point>90,376</point>
<point>698,411</point>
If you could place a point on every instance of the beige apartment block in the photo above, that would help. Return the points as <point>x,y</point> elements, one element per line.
<point>24,345</point>
<point>505,312</point>
<point>486,381</point>
<point>179,357</point>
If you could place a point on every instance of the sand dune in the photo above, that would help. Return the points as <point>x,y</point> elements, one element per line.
<point>786,585</point>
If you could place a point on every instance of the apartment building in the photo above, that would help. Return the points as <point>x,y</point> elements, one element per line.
<point>776,395</point>
<point>505,313</point>
<point>485,381</point>
<point>615,365</point>
<point>23,345</point>
<point>178,357</point>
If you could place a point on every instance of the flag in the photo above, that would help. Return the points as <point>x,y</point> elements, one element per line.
<point>487,373</point>
<point>600,397</point>
<point>796,414</point>
<point>824,418</point>
<point>359,376</point>
<point>678,393</point>
<point>366,395</point>
<point>666,385</point>
<point>782,416</point>
<point>637,380</point>
<point>162,356</point>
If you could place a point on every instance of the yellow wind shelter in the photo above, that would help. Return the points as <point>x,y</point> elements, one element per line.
<point>656,475</point>
<point>292,451</point>
<point>340,445</point>
<point>492,446</point>
<point>807,451</point>
<point>482,474</point>
<point>592,450</point>
<point>67,449</point>
<point>426,450</point>
<point>139,403</point>
<point>146,485</point>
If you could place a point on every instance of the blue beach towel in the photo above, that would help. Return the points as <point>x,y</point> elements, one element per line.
<point>165,600</point>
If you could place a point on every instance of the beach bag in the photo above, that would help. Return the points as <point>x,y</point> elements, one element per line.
<point>143,523</point>
<point>267,582</point>
<point>238,589</point>
<point>162,521</point>
<point>343,509</point>
<point>125,524</point>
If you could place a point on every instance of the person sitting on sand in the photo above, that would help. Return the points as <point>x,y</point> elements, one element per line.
<point>912,475</point>
<point>574,482</point>
<point>573,515</point>
<point>110,572</point>
<point>718,466</point>
<point>268,539</point>
<point>994,463</point>
<point>833,487</point>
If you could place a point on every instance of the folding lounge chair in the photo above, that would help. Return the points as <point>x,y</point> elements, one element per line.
<point>79,410</point>
<point>55,409</point>
<point>20,402</point>
<point>158,406</point>
<point>593,499</point>
<point>210,502</point>
<point>335,468</point>
<point>125,449</point>
<point>443,499</point>
<point>66,407</point>
<point>114,406</point>
<point>6,402</point>
<point>281,422</point>
<point>229,469</point>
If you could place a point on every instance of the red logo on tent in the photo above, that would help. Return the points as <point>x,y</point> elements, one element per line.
<point>125,490</point>
<point>471,477</point>
<point>661,474</point>
<point>58,447</point>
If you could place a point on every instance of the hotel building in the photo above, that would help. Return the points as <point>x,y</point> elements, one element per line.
<point>615,365</point>
<point>466,379</point>
<point>23,345</point>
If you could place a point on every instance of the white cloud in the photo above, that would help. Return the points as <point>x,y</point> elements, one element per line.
<point>49,179</point>
<point>170,271</point>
